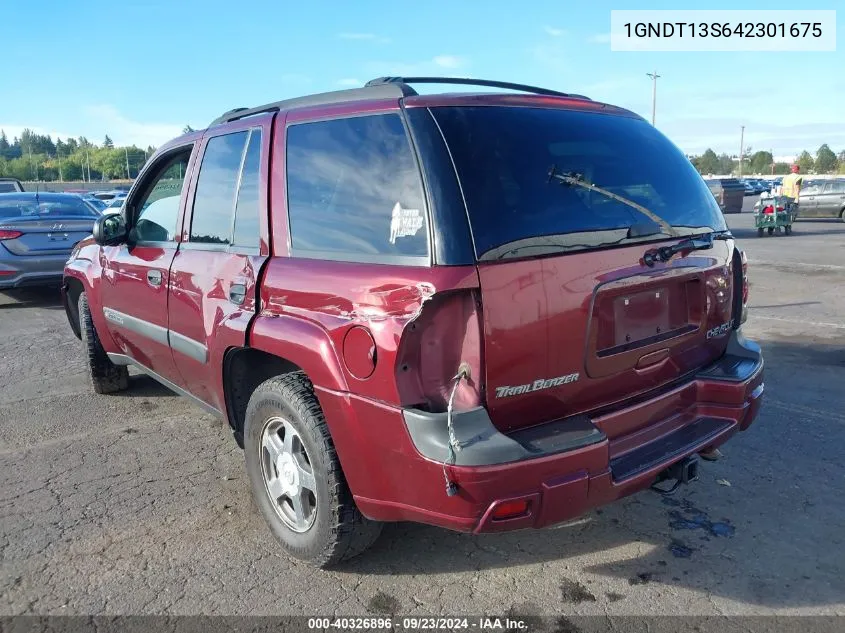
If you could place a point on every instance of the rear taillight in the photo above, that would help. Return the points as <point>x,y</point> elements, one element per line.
<point>442,342</point>
<point>744,312</point>
<point>6,234</point>
<point>740,290</point>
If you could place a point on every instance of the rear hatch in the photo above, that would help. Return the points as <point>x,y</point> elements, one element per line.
<point>44,225</point>
<point>575,320</point>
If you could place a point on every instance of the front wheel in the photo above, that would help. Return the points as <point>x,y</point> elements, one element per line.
<point>760,232</point>
<point>296,477</point>
<point>105,376</point>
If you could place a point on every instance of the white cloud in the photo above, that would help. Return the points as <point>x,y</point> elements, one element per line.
<point>125,131</point>
<point>350,83</point>
<point>554,32</point>
<point>599,38</point>
<point>448,61</point>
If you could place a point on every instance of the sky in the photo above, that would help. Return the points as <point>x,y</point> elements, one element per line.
<point>141,71</point>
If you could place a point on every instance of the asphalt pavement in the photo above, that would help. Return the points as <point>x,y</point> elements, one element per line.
<point>138,503</point>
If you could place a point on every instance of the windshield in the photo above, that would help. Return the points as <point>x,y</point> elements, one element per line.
<point>503,157</point>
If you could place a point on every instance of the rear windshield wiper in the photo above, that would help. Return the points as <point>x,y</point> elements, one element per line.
<point>578,180</point>
<point>692,243</point>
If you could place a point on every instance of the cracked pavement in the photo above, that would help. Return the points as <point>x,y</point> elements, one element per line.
<point>139,504</point>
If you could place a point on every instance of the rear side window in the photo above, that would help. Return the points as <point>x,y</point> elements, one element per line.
<point>837,186</point>
<point>503,156</point>
<point>354,190</point>
<point>217,184</point>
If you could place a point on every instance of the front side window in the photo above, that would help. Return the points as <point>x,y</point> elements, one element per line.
<point>158,206</point>
<point>217,184</point>
<point>354,190</point>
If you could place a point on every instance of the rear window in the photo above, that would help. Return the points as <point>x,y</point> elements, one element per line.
<point>30,207</point>
<point>503,156</point>
<point>6,187</point>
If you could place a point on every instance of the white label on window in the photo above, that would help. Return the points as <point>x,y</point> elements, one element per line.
<point>404,222</point>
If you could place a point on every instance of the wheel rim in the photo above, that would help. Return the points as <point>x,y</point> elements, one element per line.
<point>288,475</point>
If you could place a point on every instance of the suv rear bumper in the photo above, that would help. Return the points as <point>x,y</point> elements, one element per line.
<point>562,468</point>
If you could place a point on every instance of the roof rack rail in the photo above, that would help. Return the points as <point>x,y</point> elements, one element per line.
<point>380,91</point>
<point>466,81</point>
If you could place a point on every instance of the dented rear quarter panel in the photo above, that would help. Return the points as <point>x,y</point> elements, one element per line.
<point>309,306</point>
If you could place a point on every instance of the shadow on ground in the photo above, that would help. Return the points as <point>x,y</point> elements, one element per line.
<point>48,297</point>
<point>765,525</point>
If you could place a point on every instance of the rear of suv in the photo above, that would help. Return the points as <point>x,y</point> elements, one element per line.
<point>483,312</point>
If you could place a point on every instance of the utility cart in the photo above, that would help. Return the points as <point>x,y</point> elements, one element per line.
<point>774,214</point>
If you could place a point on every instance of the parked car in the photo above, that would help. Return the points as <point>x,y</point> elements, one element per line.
<point>10,184</point>
<point>37,234</point>
<point>822,199</point>
<point>115,203</point>
<point>98,204</point>
<point>482,312</point>
<point>729,193</point>
<point>750,188</point>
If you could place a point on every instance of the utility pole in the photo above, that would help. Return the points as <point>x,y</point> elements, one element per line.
<point>654,77</point>
<point>741,147</point>
<point>126,149</point>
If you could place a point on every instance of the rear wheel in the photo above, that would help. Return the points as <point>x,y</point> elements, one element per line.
<point>842,215</point>
<point>296,477</point>
<point>760,232</point>
<point>106,377</point>
<point>771,230</point>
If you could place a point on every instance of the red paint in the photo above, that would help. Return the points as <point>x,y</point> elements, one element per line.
<point>374,338</point>
<point>359,352</point>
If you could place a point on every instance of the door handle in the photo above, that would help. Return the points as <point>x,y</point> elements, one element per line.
<point>154,277</point>
<point>237,293</point>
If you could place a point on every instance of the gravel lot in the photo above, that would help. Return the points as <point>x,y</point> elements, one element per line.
<point>139,504</point>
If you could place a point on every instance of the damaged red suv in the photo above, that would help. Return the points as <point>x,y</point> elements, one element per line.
<point>478,311</point>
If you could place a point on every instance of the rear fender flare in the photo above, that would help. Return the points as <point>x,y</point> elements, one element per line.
<point>303,343</point>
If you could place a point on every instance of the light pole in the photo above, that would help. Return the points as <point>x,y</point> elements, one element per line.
<point>741,146</point>
<point>654,77</point>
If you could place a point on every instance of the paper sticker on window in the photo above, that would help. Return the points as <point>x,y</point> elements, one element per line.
<point>404,222</point>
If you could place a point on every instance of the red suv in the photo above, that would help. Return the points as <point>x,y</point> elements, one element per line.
<point>479,311</point>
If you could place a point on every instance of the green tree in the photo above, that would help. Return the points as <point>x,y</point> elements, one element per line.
<point>781,169</point>
<point>708,162</point>
<point>761,162</point>
<point>4,144</point>
<point>107,142</point>
<point>805,162</point>
<point>726,164</point>
<point>825,160</point>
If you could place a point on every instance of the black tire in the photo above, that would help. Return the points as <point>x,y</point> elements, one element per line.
<point>760,232</point>
<point>339,531</point>
<point>106,377</point>
<point>771,230</point>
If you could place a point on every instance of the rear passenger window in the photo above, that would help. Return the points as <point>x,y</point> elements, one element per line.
<point>214,202</point>
<point>247,228</point>
<point>354,190</point>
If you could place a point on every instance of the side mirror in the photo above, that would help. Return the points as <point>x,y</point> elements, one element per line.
<point>110,229</point>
